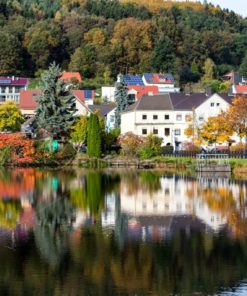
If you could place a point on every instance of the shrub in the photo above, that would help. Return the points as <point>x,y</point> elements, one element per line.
<point>151,147</point>
<point>68,151</point>
<point>22,148</point>
<point>167,150</point>
<point>191,147</point>
<point>130,144</point>
<point>5,155</point>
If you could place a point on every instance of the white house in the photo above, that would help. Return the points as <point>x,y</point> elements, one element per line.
<point>167,116</point>
<point>28,104</point>
<point>108,92</point>
<point>106,111</point>
<point>10,88</point>
<point>164,82</point>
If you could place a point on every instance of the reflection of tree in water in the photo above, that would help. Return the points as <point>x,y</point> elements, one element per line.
<point>54,220</point>
<point>223,201</point>
<point>91,196</point>
<point>10,211</point>
<point>145,181</point>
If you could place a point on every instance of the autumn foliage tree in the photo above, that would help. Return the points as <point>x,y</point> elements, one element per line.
<point>237,116</point>
<point>22,148</point>
<point>216,130</point>
<point>10,117</point>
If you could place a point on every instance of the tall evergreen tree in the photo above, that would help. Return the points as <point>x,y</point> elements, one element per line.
<point>56,105</point>
<point>121,98</point>
<point>94,136</point>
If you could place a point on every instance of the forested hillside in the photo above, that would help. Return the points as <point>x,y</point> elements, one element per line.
<point>101,38</point>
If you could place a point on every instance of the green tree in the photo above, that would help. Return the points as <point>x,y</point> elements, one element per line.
<point>10,54</point>
<point>79,130</point>
<point>243,66</point>
<point>163,58</point>
<point>121,98</point>
<point>83,61</point>
<point>56,105</point>
<point>94,136</point>
<point>209,70</point>
<point>10,117</point>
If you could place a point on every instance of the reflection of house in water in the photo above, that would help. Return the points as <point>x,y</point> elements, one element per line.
<point>108,216</point>
<point>177,204</point>
<point>177,197</point>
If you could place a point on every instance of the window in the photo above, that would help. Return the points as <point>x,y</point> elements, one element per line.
<point>218,104</point>
<point>131,98</point>
<point>212,104</point>
<point>167,132</point>
<point>177,132</point>
<point>201,118</point>
<point>155,117</point>
<point>112,117</point>
<point>167,117</point>
<point>155,131</point>
<point>144,131</point>
<point>179,117</point>
<point>144,116</point>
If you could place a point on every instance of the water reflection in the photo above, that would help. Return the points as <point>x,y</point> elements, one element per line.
<point>121,233</point>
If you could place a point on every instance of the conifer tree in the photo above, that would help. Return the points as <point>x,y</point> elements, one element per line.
<point>94,136</point>
<point>121,98</point>
<point>56,105</point>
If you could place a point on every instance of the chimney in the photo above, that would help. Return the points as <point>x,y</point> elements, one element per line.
<point>208,91</point>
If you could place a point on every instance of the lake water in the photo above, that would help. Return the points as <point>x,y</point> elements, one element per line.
<point>78,232</point>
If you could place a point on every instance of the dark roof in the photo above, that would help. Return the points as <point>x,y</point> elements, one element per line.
<point>155,102</point>
<point>181,101</point>
<point>174,101</point>
<point>103,109</point>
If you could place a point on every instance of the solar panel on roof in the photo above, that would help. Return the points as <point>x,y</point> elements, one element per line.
<point>88,94</point>
<point>5,81</point>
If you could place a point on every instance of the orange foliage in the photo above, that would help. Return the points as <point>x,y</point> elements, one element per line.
<point>156,5</point>
<point>23,148</point>
<point>20,182</point>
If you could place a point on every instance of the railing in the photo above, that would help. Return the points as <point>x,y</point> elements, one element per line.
<point>193,154</point>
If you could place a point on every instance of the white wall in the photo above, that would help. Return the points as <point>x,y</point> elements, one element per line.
<point>110,120</point>
<point>108,92</point>
<point>133,122</point>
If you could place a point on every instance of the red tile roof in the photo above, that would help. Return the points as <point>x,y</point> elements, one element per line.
<point>27,98</point>
<point>241,89</point>
<point>144,90</point>
<point>68,76</point>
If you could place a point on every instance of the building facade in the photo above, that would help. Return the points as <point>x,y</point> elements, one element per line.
<point>10,88</point>
<point>168,116</point>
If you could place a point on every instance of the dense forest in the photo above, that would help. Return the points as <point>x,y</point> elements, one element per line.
<point>100,38</point>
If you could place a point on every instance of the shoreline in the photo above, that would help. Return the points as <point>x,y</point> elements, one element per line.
<point>172,164</point>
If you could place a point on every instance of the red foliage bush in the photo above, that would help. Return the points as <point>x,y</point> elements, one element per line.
<point>22,147</point>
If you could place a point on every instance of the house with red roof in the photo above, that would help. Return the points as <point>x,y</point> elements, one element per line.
<point>10,88</point>
<point>239,89</point>
<point>71,76</point>
<point>28,103</point>
<point>164,82</point>
<point>136,92</point>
